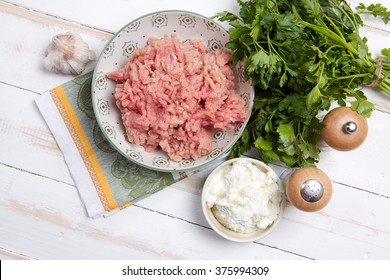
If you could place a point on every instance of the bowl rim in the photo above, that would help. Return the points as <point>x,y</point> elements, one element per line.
<point>228,233</point>
<point>100,124</point>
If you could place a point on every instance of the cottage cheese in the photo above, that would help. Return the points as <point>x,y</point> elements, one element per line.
<point>243,198</point>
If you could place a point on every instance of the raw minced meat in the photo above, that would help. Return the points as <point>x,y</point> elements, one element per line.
<point>174,95</point>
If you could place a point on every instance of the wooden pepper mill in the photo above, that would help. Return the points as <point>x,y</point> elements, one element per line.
<point>308,189</point>
<point>344,129</point>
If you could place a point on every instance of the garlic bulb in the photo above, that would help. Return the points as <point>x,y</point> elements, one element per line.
<point>68,54</point>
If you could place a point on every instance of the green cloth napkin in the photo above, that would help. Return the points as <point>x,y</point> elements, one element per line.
<point>106,180</point>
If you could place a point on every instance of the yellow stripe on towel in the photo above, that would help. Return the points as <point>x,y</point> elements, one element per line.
<point>84,147</point>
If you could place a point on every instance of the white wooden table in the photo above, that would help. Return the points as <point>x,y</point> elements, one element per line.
<point>41,214</point>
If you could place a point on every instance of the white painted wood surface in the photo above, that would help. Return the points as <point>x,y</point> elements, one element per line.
<point>41,214</point>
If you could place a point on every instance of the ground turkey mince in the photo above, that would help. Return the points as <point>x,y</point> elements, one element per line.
<point>174,95</point>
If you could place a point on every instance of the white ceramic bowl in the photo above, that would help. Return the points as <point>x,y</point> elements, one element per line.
<point>228,233</point>
<point>185,25</point>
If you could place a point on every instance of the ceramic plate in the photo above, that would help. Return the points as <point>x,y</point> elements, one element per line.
<point>114,56</point>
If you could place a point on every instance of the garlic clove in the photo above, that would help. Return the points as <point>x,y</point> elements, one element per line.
<point>75,67</point>
<point>68,53</point>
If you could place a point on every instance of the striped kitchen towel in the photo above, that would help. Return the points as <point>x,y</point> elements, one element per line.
<point>106,181</point>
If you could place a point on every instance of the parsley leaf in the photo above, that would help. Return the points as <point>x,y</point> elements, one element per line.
<point>377,10</point>
<point>286,133</point>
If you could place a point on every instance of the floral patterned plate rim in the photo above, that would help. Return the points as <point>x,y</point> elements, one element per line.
<point>187,25</point>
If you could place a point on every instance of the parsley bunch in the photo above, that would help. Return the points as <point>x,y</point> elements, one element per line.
<point>301,56</point>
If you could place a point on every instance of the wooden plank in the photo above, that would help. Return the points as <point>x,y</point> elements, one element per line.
<point>24,42</point>
<point>60,228</point>
<point>125,12</point>
<point>26,141</point>
<point>46,79</point>
<point>13,46</point>
<point>81,23</point>
<point>44,219</point>
<point>23,48</point>
<point>7,255</point>
<point>42,17</point>
<point>364,167</point>
<point>346,222</point>
<point>119,13</point>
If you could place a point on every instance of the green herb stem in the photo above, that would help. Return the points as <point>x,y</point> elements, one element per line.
<point>384,83</point>
<point>330,34</point>
<point>349,77</point>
